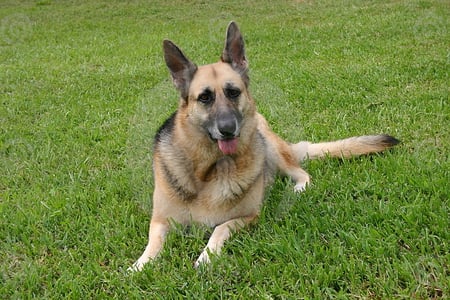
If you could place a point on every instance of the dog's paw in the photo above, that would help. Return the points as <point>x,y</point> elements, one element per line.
<point>300,186</point>
<point>203,259</point>
<point>138,265</point>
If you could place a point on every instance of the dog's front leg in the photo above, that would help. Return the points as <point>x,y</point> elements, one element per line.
<point>157,234</point>
<point>220,234</point>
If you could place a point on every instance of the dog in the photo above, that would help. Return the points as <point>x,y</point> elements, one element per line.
<point>216,154</point>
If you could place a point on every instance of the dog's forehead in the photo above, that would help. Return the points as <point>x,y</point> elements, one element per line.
<point>216,76</point>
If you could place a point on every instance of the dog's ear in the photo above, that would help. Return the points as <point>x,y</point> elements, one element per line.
<point>181,68</point>
<point>234,51</point>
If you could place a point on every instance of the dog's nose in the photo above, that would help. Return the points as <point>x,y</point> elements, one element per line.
<point>227,126</point>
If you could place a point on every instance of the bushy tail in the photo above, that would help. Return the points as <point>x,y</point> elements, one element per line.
<point>344,148</point>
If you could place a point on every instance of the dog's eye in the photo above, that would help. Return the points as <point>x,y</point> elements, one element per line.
<point>206,97</point>
<point>232,93</point>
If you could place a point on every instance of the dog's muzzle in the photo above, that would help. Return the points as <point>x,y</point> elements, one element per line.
<point>227,127</point>
<point>226,132</point>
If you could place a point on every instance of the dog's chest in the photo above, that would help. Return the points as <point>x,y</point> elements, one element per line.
<point>227,180</point>
<point>224,169</point>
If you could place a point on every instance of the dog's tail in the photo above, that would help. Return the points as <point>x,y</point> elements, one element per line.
<point>344,148</point>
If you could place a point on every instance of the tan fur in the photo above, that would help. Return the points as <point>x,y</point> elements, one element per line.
<point>194,180</point>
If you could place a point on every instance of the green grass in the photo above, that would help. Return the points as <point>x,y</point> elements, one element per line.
<point>83,87</point>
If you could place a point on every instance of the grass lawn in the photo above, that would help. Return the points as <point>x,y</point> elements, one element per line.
<point>83,87</point>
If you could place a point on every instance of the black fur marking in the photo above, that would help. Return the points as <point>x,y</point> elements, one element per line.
<point>176,186</point>
<point>165,129</point>
<point>231,92</point>
<point>207,96</point>
<point>389,140</point>
<point>163,135</point>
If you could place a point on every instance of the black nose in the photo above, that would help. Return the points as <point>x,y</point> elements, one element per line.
<point>227,125</point>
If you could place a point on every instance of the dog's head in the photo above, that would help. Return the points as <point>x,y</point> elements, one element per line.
<point>215,96</point>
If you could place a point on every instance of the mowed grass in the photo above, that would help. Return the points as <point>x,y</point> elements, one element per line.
<point>83,87</point>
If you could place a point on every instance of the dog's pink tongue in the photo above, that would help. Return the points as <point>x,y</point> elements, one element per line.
<point>228,146</point>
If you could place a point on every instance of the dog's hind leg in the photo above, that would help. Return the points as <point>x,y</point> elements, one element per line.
<point>280,153</point>
<point>287,164</point>
<point>156,237</point>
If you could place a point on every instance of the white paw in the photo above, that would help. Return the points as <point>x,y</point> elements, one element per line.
<point>300,187</point>
<point>138,265</point>
<point>202,259</point>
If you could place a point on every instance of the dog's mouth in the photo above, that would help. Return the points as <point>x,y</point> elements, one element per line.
<point>228,146</point>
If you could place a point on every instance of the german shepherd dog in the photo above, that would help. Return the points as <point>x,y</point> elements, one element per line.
<point>214,156</point>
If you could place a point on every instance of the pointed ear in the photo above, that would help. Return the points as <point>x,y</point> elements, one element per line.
<point>234,51</point>
<point>181,68</point>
